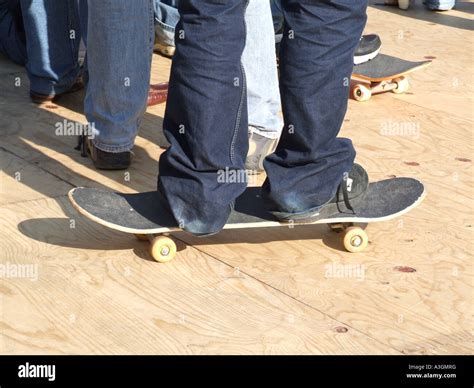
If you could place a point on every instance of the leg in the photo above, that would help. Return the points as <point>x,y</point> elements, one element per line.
<point>119,48</point>
<point>12,39</point>
<point>52,38</point>
<point>166,18</point>
<point>206,116</point>
<point>277,15</point>
<point>263,94</point>
<point>259,61</point>
<point>316,62</point>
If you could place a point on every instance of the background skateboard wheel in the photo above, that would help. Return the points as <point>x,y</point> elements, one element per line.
<point>141,237</point>
<point>163,249</point>
<point>361,93</point>
<point>402,85</point>
<point>355,239</point>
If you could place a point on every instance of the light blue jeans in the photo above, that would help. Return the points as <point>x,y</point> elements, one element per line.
<point>120,38</point>
<point>258,59</point>
<point>53,36</point>
<point>166,18</point>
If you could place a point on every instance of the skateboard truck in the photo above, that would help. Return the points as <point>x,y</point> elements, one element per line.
<point>363,90</point>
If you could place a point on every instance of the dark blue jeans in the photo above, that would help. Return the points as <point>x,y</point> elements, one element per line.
<point>12,34</point>
<point>201,174</point>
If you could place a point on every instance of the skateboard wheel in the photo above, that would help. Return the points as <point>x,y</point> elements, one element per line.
<point>361,93</point>
<point>141,237</point>
<point>355,239</point>
<point>402,85</point>
<point>163,249</point>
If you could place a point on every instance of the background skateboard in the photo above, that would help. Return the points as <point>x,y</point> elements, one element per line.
<point>146,215</point>
<point>382,74</point>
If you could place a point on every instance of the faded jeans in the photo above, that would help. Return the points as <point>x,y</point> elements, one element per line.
<point>51,49</point>
<point>120,37</point>
<point>259,59</point>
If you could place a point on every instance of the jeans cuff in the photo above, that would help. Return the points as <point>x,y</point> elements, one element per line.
<point>113,148</point>
<point>53,88</point>
<point>268,133</point>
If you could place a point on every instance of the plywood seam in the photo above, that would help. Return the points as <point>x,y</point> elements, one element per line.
<point>56,197</point>
<point>38,166</point>
<point>293,298</point>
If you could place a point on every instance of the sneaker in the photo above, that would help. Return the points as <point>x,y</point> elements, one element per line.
<point>369,48</point>
<point>349,194</point>
<point>164,49</point>
<point>402,4</point>
<point>440,5</point>
<point>259,148</point>
<point>104,160</point>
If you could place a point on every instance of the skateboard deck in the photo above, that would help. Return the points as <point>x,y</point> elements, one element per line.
<point>146,214</point>
<point>382,74</point>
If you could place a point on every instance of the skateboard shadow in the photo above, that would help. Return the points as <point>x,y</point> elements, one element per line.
<point>80,233</point>
<point>60,233</point>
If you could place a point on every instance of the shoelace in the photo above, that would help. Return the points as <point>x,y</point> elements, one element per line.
<point>82,145</point>
<point>345,195</point>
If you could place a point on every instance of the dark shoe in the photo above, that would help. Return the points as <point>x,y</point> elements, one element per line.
<point>369,48</point>
<point>157,94</point>
<point>39,98</point>
<point>104,160</point>
<point>350,193</point>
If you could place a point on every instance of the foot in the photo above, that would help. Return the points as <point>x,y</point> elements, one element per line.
<point>259,148</point>
<point>157,94</point>
<point>369,48</point>
<point>439,5</point>
<point>104,160</point>
<point>39,98</point>
<point>350,193</point>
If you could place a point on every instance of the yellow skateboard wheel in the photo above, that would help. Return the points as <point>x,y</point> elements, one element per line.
<point>163,249</point>
<point>355,239</point>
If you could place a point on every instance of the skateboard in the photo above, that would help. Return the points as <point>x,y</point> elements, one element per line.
<point>146,215</point>
<point>382,74</point>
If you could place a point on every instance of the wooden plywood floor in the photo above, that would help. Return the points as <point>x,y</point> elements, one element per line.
<point>271,291</point>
